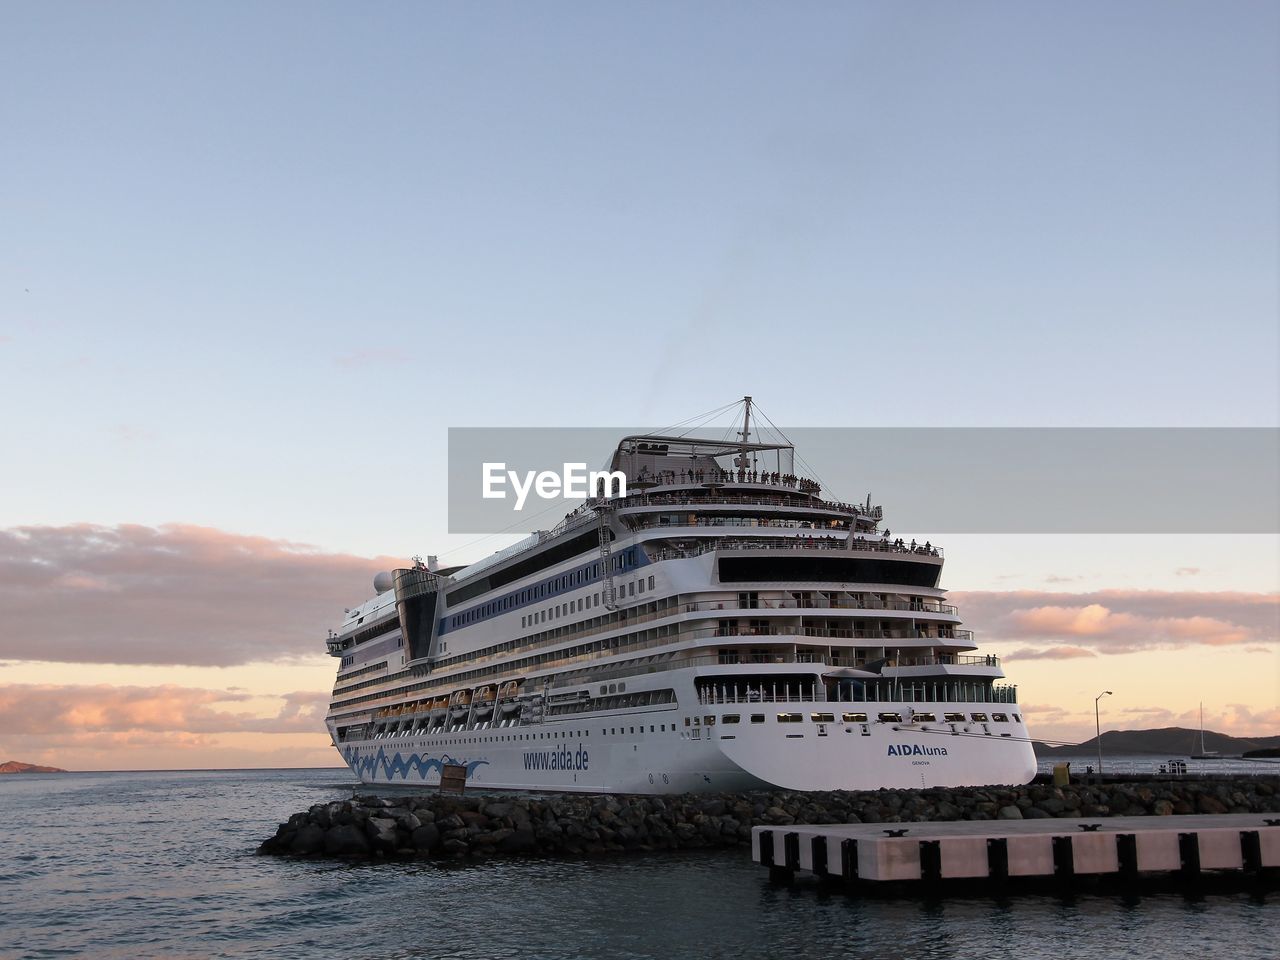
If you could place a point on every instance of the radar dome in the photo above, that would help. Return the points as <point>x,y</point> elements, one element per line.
<point>383,582</point>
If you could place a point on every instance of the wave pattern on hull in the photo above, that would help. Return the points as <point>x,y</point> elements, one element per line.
<point>401,767</point>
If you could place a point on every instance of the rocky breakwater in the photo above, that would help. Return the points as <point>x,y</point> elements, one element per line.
<point>499,826</point>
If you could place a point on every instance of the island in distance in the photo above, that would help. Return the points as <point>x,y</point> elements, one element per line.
<point>14,766</point>
<point>1168,741</point>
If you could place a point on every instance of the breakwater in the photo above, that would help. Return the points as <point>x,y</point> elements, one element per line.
<point>433,825</point>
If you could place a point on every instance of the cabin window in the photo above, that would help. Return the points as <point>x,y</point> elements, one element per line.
<point>822,717</point>
<point>651,583</point>
<point>731,718</point>
<point>925,717</point>
<point>1000,717</point>
<point>855,718</point>
<point>953,717</point>
<point>889,717</point>
<point>790,717</point>
<point>979,717</point>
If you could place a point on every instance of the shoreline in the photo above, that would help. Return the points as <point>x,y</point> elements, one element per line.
<point>435,826</point>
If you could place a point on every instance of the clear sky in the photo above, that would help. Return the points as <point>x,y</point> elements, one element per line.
<point>255,259</point>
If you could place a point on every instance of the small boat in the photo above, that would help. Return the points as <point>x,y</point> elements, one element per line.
<point>483,701</point>
<point>438,707</point>
<point>507,697</point>
<point>459,703</point>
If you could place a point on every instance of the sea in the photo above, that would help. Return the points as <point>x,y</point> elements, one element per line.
<point>163,864</point>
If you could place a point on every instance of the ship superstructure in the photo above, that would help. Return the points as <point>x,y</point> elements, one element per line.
<point>722,626</point>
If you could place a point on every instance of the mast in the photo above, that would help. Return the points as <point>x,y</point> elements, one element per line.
<point>743,461</point>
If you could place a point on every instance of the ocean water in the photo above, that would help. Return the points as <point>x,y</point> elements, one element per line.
<point>128,865</point>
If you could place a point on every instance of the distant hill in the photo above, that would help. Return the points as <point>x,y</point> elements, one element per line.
<point>1165,742</point>
<point>13,766</point>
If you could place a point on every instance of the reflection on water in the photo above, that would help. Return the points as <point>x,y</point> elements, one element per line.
<point>162,865</point>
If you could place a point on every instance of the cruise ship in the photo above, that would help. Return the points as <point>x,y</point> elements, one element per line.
<point>719,625</point>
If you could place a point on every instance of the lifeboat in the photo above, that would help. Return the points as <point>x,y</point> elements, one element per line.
<point>438,706</point>
<point>484,701</point>
<point>459,703</point>
<point>507,694</point>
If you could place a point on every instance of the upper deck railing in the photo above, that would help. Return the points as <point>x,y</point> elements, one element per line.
<point>820,542</point>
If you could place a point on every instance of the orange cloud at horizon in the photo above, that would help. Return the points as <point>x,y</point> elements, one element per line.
<point>240,620</point>
<point>109,727</point>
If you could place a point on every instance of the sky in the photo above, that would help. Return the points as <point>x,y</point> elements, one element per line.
<point>256,259</point>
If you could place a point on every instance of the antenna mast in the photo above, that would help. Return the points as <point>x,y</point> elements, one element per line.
<point>742,460</point>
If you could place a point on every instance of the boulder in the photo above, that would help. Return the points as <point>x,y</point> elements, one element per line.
<point>426,838</point>
<point>406,821</point>
<point>309,839</point>
<point>518,841</point>
<point>381,832</point>
<point>1009,812</point>
<point>1209,804</point>
<point>345,840</point>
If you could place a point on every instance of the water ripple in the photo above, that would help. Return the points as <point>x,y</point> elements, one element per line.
<point>146,865</point>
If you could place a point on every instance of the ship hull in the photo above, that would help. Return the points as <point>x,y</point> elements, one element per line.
<point>661,755</point>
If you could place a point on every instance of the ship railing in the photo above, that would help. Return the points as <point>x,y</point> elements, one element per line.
<point>883,692</point>
<point>711,698</point>
<point>729,605</point>
<point>816,604</point>
<point>828,633</point>
<point>745,478</point>
<point>946,660</point>
<point>686,504</point>
<point>718,632</point>
<point>822,542</point>
<point>661,522</point>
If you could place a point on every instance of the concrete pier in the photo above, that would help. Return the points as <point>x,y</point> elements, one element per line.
<point>973,855</point>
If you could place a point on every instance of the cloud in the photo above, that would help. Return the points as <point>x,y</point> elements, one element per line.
<point>1119,621</point>
<point>38,709</point>
<point>1187,571</point>
<point>170,595</point>
<point>1050,653</point>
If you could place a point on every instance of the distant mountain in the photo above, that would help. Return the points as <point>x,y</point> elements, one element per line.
<point>1167,741</point>
<point>13,766</point>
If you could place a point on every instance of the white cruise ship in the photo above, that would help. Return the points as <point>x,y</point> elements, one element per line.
<point>720,627</point>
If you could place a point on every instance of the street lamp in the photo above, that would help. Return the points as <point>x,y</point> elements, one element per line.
<point>1097,723</point>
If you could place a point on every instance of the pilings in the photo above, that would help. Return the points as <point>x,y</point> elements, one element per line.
<point>978,855</point>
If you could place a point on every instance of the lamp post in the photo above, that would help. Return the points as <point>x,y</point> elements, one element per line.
<point>1097,723</point>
